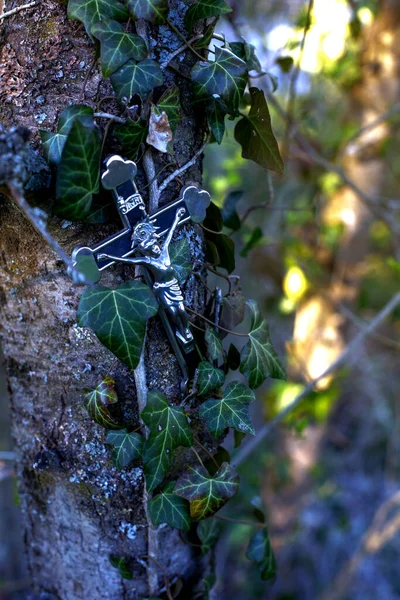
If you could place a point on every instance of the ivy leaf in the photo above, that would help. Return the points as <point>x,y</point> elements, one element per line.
<point>98,401</point>
<point>78,173</point>
<point>171,509</point>
<point>204,42</point>
<point>215,348</point>
<point>171,104</point>
<point>117,46</point>
<point>247,52</point>
<point>208,532</point>
<point>210,378</point>
<point>126,447</point>
<point>285,63</point>
<point>206,494</point>
<point>216,111</point>
<point>260,551</point>
<point>131,135</point>
<point>53,143</point>
<point>255,237</point>
<point>238,437</point>
<point>233,310</point>
<point>259,359</point>
<point>230,411</point>
<point>256,137</point>
<point>118,317</point>
<point>225,77</point>
<point>203,10</point>
<point>233,360</point>
<point>120,563</point>
<point>90,12</point>
<point>169,428</point>
<point>136,78</point>
<point>155,11</point>
<point>181,260</point>
<point>229,212</point>
<point>222,252</point>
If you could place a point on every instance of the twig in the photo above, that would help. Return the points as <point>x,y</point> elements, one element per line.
<point>171,164</point>
<point>185,167</point>
<point>198,443</point>
<point>105,136</point>
<point>215,325</point>
<point>166,62</point>
<point>197,456</point>
<point>265,204</point>
<point>18,9</point>
<point>184,40</point>
<point>347,354</point>
<point>210,230</point>
<point>82,92</point>
<point>105,115</point>
<point>240,522</point>
<point>370,126</point>
<point>150,170</point>
<point>167,585</point>
<point>37,219</point>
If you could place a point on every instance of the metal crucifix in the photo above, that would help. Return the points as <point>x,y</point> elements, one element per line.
<point>145,241</point>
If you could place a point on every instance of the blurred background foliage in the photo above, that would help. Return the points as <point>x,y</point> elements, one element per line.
<point>320,251</point>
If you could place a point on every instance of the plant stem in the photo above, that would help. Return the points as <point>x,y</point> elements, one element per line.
<point>184,40</point>
<point>215,325</point>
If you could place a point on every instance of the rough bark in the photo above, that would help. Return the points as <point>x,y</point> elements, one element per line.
<point>77,508</point>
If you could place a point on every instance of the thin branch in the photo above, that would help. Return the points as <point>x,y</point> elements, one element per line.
<point>185,167</point>
<point>176,53</point>
<point>348,354</point>
<point>193,312</point>
<point>197,456</point>
<point>206,451</point>
<point>18,9</point>
<point>184,40</point>
<point>105,115</point>
<point>375,123</point>
<point>265,204</point>
<point>210,230</point>
<point>82,92</point>
<point>167,585</point>
<point>171,164</point>
<point>150,170</point>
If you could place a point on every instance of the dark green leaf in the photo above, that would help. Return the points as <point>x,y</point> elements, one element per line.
<point>247,52</point>
<point>137,78</point>
<point>285,63</point>
<point>215,348</point>
<point>225,77</point>
<point>233,360</point>
<point>239,437</point>
<point>98,401</point>
<point>225,248</point>
<point>209,379</point>
<point>131,135</point>
<point>171,104</point>
<point>255,238</point>
<point>155,11</point>
<point>216,111</point>
<point>117,46</point>
<point>126,447</point>
<point>53,143</point>
<point>204,42</point>
<point>233,310</point>
<point>259,359</point>
<point>197,202</point>
<point>171,509</point>
<point>229,212</point>
<point>220,456</point>
<point>214,220</point>
<point>208,532</point>
<point>207,495</point>
<point>90,12</point>
<point>256,137</point>
<point>181,260</point>
<point>120,563</point>
<point>260,551</point>
<point>78,173</point>
<point>203,9</point>
<point>169,428</point>
<point>230,411</point>
<point>118,317</point>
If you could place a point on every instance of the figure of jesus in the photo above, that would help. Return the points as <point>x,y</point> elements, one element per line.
<point>156,258</point>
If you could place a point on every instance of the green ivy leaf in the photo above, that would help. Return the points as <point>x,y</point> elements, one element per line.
<point>216,111</point>
<point>210,378</point>
<point>238,437</point>
<point>181,260</point>
<point>169,428</point>
<point>53,143</point>
<point>78,173</point>
<point>137,78</point>
<point>226,77</point>
<point>229,212</point>
<point>206,494</point>
<point>215,348</point>
<point>126,447</point>
<point>285,63</point>
<point>204,42</point>
<point>117,46</point>
<point>131,135</point>
<point>230,411</point>
<point>255,237</point>
<point>120,563</point>
<point>203,9</point>
<point>171,509</point>
<point>260,551</point>
<point>221,251</point>
<point>155,11</point>
<point>233,360</point>
<point>118,317</point>
<point>259,359</point>
<point>221,455</point>
<point>90,12</point>
<point>208,532</point>
<point>98,401</point>
<point>247,52</point>
<point>256,137</point>
<point>171,104</point>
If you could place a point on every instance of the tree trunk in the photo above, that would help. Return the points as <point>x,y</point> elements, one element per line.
<point>78,509</point>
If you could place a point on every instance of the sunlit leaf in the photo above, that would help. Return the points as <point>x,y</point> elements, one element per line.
<point>120,563</point>
<point>169,428</point>
<point>131,135</point>
<point>78,173</point>
<point>247,52</point>
<point>204,9</point>
<point>155,11</point>
<point>225,77</point>
<point>260,552</point>
<point>117,46</point>
<point>207,494</point>
<point>215,348</point>
<point>256,137</point>
<point>208,532</point>
<point>210,378</point>
<point>53,143</point>
<point>137,78</point>
<point>169,508</point>
<point>126,447</point>
<point>216,111</point>
<point>118,317</point>
<point>181,260</point>
<point>230,411</point>
<point>98,401</point>
<point>259,359</point>
<point>91,12</point>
